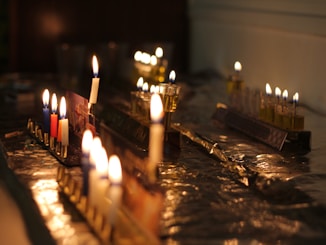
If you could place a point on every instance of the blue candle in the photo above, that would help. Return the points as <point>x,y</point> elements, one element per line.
<point>46,111</point>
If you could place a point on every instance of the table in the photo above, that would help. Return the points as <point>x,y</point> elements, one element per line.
<point>207,201</point>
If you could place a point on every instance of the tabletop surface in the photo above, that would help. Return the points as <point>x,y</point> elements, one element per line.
<point>210,202</point>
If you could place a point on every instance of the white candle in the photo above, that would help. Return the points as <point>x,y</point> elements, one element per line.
<point>102,182</point>
<point>95,82</point>
<point>156,136</point>
<point>85,164</point>
<point>115,190</point>
<point>64,123</point>
<point>93,176</point>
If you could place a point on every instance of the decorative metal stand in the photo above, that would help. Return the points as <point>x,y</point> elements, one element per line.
<point>280,139</point>
<point>126,228</point>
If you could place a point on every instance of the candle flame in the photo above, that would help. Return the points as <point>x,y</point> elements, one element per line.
<point>63,107</point>
<point>146,58</point>
<point>138,55</point>
<point>87,141</point>
<point>153,60</point>
<point>157,89</point>
<point>285,94</point>
<point>152,89</point>
<point>268,89</point>
<point>156,108</point>
<point>140,82</point>
<point>95,66</point>
<point>159,52</point>
<point>46,97</point>
<point>54,103</point>
<point>115,171</point>
<point>296,97</point>
<point>237,66</point>
<point>172,76</point>
<point>278,92</point>
<point>145,87</point>
<point>94,150</point>
<point>102,163</point>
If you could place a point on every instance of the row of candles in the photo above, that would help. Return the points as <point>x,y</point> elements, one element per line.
<point>56,128</point>
<point>271,108</point>
<point>152,67</point>
<point>102,177</point>
<point>169,93</point>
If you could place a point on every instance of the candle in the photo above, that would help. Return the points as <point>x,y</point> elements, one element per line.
<point>295,101</point>
<point>298,120</point>
<point>93,158</point>
<point>85,164</point>
<point>278,108</point>
<point>54,116</point>
<point>156,136</point>
<point>64,122</point>
<point>54,121</point>
<point>269,116</point>
<point>101,166</point>
<point>115,190</point>
<point>145,87</point>
<point>140,83</point>
<point>286,118</point>
<point>278,94</point>
<point>46,112</point>
<point>95,82</point>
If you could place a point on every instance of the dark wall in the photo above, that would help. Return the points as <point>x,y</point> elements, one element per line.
<point>38,26</point>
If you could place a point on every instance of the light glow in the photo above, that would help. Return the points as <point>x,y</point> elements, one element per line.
<point>237,66</point>
<point>46,97</point>
<point>114,169</point>
<point>156,108</point>
<point>63,107</point>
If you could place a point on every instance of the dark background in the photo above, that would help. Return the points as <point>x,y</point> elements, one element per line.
<point>30,30</point>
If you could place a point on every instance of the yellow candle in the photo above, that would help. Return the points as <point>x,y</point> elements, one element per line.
<point>156,136</point>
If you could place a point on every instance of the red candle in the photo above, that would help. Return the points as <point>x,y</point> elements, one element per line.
<point>59,131</point>
<point>54,117</point>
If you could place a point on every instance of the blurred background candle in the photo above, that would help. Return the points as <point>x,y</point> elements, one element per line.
<point>95,82</point>
<point>286,117</point>
<point>85,164</point>
<point>156,136</point>
<point>269,116</point>
<point>115,189</point>
<point>278,108</point>
<point>297,120</point>
<point>46,115</point>
<point>54,120</point>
